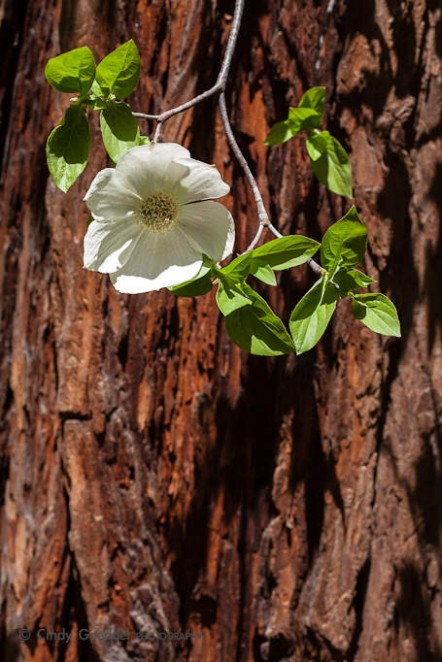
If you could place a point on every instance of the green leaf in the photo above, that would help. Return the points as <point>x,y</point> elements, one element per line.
<point>285,252</point>
<point>279,133</point>
<point>118,73</point>
<point>351,280</point>
<point>210,265</point>
<point>307,116</point>
<point>67,148</point>
<point>278,254</point>
<point>265,273</point>
<point>303,118</point>
<point>96,89</point>
<point>377,312</point>
<point>119,129</point>
<point>231,295</point>
<point>344,243</point>
<point>359,278</point>
<point>73,71</point>
<point>201,284</point>
<point>330,163</point>
<point>239,268</point>
<point>312,314</point>
<point>314,98</point>
<point>256,329</point>
<point>95,104</point>
<point>143,140</point>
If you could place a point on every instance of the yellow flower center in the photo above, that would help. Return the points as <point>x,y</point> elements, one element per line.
<point>159,212</point>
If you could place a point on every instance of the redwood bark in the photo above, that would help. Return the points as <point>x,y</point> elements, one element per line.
<point>154,477</point>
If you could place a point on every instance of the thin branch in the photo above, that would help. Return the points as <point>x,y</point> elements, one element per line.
<point>255,239</point>
<point>262,213</point>
<point>264,221</point>
<point>314,266</point>
<point>219,88</point>
<point>221,81</point>
<point>231,43</point>
<point>327,17</point>
<point>145,116</point>
<point>258,234</point>
<point>274,231</point>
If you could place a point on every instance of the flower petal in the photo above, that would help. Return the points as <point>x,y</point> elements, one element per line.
<point>209,227</point>
<point>108,197</point>
<point>158,260</point>
<point>108,246</point>
<point>151,168</point>
<point>202,182</point>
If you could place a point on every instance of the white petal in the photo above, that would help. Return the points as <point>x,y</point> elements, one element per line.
<point>108,197</point>
<point>209,227</point>
<point>108,246</point>
<point>158,260</point>
<point>151,168</point>
<point>202,182</point>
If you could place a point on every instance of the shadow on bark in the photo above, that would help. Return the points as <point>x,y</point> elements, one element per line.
<point>241,471</point>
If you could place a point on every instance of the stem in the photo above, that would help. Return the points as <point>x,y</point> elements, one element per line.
<point>314,266</point>
<point>221,81</point>
<point>262,213</point>
<point>219,88</point>
<point>231,43</point>
<point>255,239</point>
<point>258,234</point>
<point>145,116</point>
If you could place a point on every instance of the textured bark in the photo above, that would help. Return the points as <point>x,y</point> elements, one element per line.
<point>155,478</point>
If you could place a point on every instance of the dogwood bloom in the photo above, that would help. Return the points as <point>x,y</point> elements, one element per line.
<point>153,218</point>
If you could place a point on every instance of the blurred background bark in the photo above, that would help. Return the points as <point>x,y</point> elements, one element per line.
<point>155,478</point>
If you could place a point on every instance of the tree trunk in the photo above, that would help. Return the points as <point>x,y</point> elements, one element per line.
<point>156,479</point>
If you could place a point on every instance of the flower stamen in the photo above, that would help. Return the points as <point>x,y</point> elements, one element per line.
<point>159,212</point>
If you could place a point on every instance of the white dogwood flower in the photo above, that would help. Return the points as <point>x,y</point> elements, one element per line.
<point>153,218</point>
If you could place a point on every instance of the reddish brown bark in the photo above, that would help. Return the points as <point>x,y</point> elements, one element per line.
<point>155,478</point>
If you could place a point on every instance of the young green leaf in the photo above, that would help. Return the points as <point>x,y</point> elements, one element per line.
<point>73,71</point>
<point>306,117</point>
<point>265,274</point>
<point>351,280</point>
<point>231,295</point>
<point>67,148</point>
<point>285,252</point>
<point>256,329</point>
<point>119,129</point>
<point>96,89</point>
<point>377,312</point>
<point>359,279</point>
<point>330,163</point>
<point>239,268</point>
<point>312,314</point>
<point>95,104</point>
<point>303,118</point>
<point>282,253</point>
<point>118,73</point>
<point>314,98</point>
<point>279,133</point>
<point>344,243</point>
<point>201,284</point>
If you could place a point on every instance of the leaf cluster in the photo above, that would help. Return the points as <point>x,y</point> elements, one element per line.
<point>250,321</point>
<point>99,87</point>
<point>254,326</point>
<point>328,158</point>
